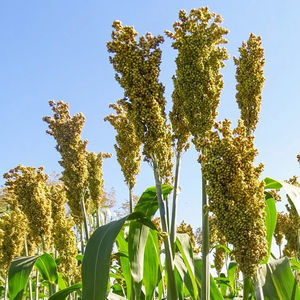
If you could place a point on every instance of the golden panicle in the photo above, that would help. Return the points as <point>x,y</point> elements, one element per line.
<point>250,78</point>
<point>282,226</point>
<point>13,229</point>
<point>128,147</point>
<point>137,66</point>
<point>66,130</point>
<point>28,185</point>
<point>179,121</point>
<point>198,83</point>
<point>95,178</point>
<point>236,194</point>
<point>63,234</point>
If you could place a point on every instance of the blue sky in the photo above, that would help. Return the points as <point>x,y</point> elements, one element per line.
<point>57,50</point>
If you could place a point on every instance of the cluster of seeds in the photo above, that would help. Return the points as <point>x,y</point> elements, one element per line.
<point>216,237</point>
<point>198,82</point>
<point>28,185</point>
<point>186,228</point>
<point>95,178</point>
<point>250,78</point>
<point>137,66</point>
<point>63,235</point>
<point>67,132</point>
<point>128,145</point>
<point>236,195</point>
<point>283,224</point>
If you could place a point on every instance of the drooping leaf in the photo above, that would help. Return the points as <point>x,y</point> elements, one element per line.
<point>277,280</point>
<point>272,184</point>
<point>96,261</point>
<point>47,268</point>
<point>231,274</point>
<point>138,234</point>
<point>270,221</point>
<point>215,293</point>
<point>124,260</point>
<point>18,274</point>
<point>63,294</point>
<point>294,194</point>
<point>151,265</point>
<point>186,250</point>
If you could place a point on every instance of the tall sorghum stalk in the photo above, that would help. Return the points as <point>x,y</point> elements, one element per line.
<point>29,279</point>
<point>137,66</point>
<point>197,37</point>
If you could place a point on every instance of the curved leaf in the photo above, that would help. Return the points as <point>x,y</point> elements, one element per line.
<point>61,295</point>
<point>18,274</point>
<point>270,221</point>
<point>272,184</point>
<point>277,280</point>
<point>47,267</point>
<point>96,261</point>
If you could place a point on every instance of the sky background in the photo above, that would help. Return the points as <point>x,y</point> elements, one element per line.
<point>57,50</point>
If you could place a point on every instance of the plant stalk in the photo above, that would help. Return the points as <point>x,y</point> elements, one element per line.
<point>29,280</point>
<point>37,285</point>
<point>205,284</point>
<point>130,200</point>
<point>172,289</point>
<point>246,287</point>
<point>85,221</point>
<point>6,288</point>
<point>175,197</point>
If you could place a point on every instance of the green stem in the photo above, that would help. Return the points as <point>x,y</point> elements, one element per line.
<point>205,284</point>
<point>246,287</point>
<point>85,221</point>
<point>29,280</point>
<point>175,197</point>
<point>37,285</point>
<point>98,218</point>
<point>172,289</point>
<point>6,288</point>
<point>168,214</point>
<point>130,200</point>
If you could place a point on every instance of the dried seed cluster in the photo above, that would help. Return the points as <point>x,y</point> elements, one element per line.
<point>236,195</point>
<point>137,66</point>
<point>250,78</point>
<point>128,147</point>
<point>186,228</point>
<point>198,82</point>
<point>67,132</point>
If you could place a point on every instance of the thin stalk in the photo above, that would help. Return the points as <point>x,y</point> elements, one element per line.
<point>29,280</point>
<point>81,239</point>
<point>168,214</point>
<point>37,285</point>
<point>175,197</point>
<point>246,288</point>
<point>280,254</point>
<point>130,200</point>
<point>205,284</point>
<point>85,221</point>
<point>98,218</point>
<point>6,288</point>
<point>259,295</point>
<point>172,290</point>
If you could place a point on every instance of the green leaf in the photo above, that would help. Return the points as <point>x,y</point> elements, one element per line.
<point>96,261</point>
<point>277,280</point>
<point>215,293</point>
<point>270,221</point>
<point>63,294</point>
<point>186,250</point>
<point>61,283</point>
<point>294,194</point>
<point>124,260</point>
<point>272,184</point>
<point>18,274</point>
<point>47,267</point>
<point>231,274</point>
<point>151,265</point>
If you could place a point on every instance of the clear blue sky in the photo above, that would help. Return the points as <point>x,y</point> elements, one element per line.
<point>57,50</point>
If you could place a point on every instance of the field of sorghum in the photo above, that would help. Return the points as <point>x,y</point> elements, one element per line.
<point>55,239</point>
